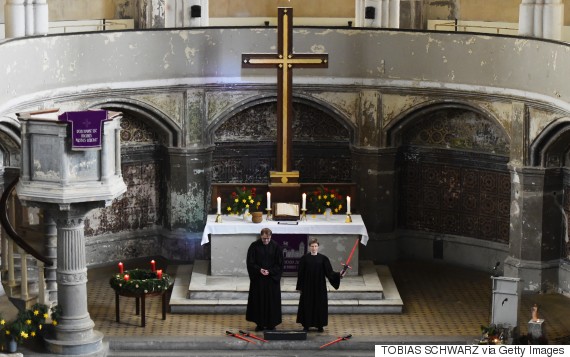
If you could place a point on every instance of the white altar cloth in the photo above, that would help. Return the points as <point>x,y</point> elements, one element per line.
<point>315,224</point>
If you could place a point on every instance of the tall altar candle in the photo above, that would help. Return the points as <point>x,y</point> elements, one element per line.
<point>219,205</point>
<point>304,206</point>
<point>121,268</point>
<point>268,200</point>
<point>153,265</point>
<point>347,204</point>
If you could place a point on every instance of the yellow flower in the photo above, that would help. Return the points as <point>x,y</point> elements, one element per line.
<point>328,203</point>
<point>40,326</point>
<point>249,197</point>
<point>319,197</point>
<point>46,315</point>
<point>28,322</point>
<point>332,195</point>
<point>244,201</point>
<point>325,197</point>
<point>336,210</point>
<point>251,201</point>
<point>2,322</point>
<point>246,206</point>
<point>339,207</point>
<point>236,200</point>
<point>229,208</point>
<point>33,333</point>
<point>54,323</point>
<point>7,332</point>
<point>36,312</point>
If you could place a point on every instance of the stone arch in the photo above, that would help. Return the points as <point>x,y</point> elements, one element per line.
<point>167,130</point>
<point>452,172</point>
<point>551,148</point>
<point>245,135</point>
<point>413,116</point>
<point>10,142</point>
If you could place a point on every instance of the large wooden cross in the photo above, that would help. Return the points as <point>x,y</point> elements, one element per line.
<point>284,60</point>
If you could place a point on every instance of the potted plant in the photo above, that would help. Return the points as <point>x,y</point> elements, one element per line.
<point>27,325</point>
<point>324,199</point>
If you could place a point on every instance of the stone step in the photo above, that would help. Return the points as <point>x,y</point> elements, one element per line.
<point>194,291</point>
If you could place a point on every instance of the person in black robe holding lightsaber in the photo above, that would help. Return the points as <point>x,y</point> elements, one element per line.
<point>264,267</point>
<point>314,268</point>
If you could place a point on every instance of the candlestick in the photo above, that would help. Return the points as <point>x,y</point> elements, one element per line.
<point>268,200</point>
<point>159,274</point>
<point>303,214</point>
<point>121,268</point>
<point>304,205</point>
<point>126,277</point>
<point>218,218</point>
<point>153,266</point>
<point>348,204</point>
<point>269,216</point>
<point>219,205</point>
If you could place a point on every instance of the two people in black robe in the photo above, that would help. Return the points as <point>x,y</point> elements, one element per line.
<point>264,267</point>
<point>314,269</point>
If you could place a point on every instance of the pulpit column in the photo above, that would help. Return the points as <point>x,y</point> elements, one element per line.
<point>394,14</point>
<point>75,324</point>
<point>15,18</point>
<point>51,254</point>
<point>538,18</point>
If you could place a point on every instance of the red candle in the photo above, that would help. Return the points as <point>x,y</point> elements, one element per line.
<point>127,277</point>
<point>152,265</point>
<point>159,274</point>
<point>121,268</point>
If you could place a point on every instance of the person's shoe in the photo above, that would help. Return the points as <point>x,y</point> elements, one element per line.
<point>321,329</point>
<point>258,328</point>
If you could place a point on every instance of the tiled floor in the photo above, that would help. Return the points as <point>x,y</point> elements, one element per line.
<point>439,300</point>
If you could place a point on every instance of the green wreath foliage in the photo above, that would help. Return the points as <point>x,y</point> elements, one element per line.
<point>140,281</point>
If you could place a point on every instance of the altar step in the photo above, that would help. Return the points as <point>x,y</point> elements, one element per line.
<point>371,292</point>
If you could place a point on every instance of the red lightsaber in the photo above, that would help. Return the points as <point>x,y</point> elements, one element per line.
<point>345,265</point>
<point>240,337</point>
<point>337,340</point>
<point>247,334</point>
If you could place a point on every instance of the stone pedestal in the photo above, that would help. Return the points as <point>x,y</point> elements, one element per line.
<point>536,328</point>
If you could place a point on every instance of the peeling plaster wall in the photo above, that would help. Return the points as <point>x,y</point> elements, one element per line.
<point>525,68</point>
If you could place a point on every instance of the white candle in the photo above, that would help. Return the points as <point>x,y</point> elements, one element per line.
<point>268,200</point>
<point>304,201</point>
<point>219,205</point>
<point>347,204</point>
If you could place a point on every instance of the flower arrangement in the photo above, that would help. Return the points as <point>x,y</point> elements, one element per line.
<point>139,281</point>
<point>27,325</point>
<point>323,198</point>
<point>493,335</point>
<point>242,199</point>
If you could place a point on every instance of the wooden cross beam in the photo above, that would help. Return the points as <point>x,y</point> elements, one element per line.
<point>284,60</point>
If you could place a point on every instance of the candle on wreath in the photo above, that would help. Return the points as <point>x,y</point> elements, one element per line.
<point>159,274</point>
<point>121,268</point>
<point>153,265</point>
<point>126,277</point>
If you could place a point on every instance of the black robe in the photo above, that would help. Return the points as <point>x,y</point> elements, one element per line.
<point>264,299</point>
<point>313,304</point>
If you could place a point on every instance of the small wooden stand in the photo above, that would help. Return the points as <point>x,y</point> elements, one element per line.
<point>140,304</point>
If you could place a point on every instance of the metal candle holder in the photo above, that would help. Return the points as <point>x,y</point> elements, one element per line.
<point>303,214</point>
<point>218,218</point>
<point>269,215</point>
<point>348,218</point>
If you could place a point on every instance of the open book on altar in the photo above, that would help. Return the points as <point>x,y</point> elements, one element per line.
<point>285,211</point>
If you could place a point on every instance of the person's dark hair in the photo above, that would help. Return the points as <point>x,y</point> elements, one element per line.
<point>265,231</point>
<point>313,241</point>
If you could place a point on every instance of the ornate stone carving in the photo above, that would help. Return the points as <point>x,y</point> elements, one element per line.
<point>71,278</point>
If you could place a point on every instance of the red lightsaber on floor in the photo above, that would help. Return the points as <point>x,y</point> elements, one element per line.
<point>229,333</point>
<point>345,265</point>
<point>247,334</point>
<point>337,340</point>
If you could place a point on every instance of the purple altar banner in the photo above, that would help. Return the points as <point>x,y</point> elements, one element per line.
<point>86,128</point>
<point>294,247</point>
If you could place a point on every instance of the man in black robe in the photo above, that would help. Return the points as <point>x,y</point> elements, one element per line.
<point>264,266</point>
<point>313,304</point>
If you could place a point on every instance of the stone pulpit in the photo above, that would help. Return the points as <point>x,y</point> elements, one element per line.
<point>70,165</point>
<point>506,299</point>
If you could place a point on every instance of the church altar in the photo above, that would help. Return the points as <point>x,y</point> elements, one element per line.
<point>231,239</point>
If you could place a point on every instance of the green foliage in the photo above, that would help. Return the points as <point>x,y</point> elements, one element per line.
<point>140,281</point>
<point>323,198</point>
